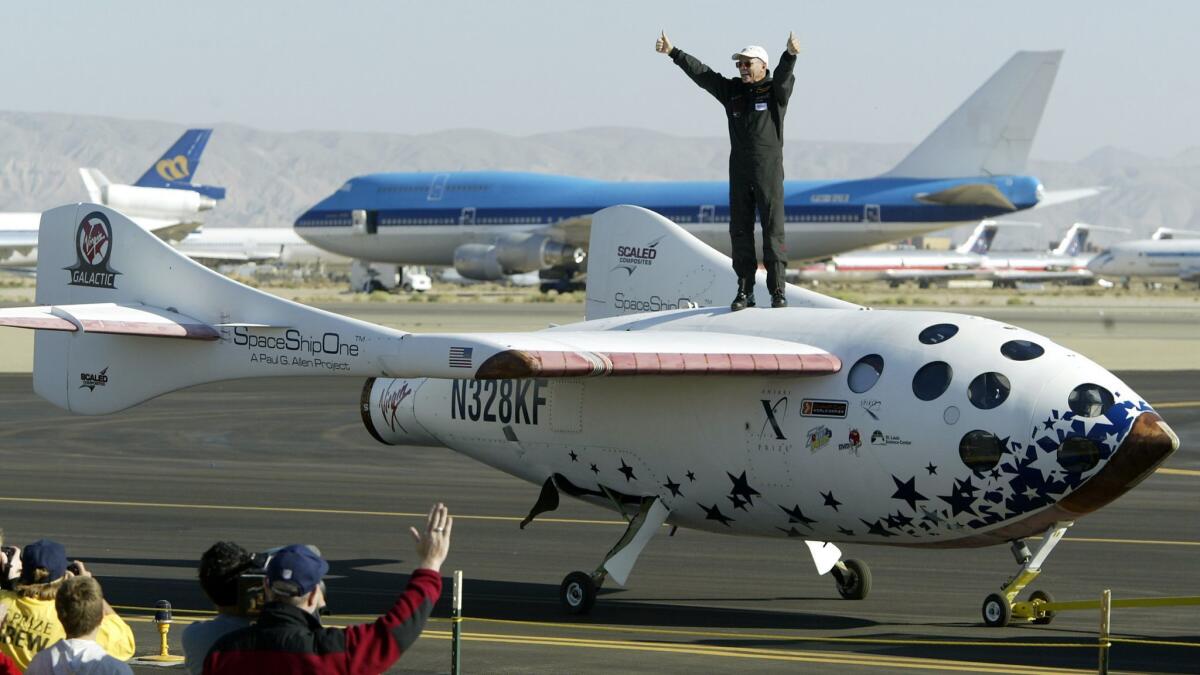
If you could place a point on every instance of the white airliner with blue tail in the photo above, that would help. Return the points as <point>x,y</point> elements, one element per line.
<point>491,224</point>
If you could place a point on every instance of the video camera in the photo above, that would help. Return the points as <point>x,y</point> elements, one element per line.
<point>250,592</point>
<point>10,570</point>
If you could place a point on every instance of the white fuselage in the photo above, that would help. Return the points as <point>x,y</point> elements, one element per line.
<point>261,244</point>
<point>1162,258</point>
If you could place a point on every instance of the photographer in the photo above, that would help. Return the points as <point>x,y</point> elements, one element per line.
<point>220,567</point>
<point>288,636</point>
<point>31,623</point>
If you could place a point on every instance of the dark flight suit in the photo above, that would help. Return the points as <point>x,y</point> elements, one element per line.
<point>755,113</point>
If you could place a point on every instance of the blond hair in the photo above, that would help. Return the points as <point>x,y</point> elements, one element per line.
<point>41,588</point>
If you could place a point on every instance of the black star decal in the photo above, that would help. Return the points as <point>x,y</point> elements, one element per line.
<point>691,477</point>
<point>900,519</point>
<point>737,502</point>
<point>673,487</point>
<point>830,501</point>
<point>995,473</point>
<point>742,489</point>
<point>876,528</point>
<point>574,457</point>
<point>842,530</point>
<point>595,469</point>
<point>627,470</point>
<point>908,492</point>
<point>1049,423</point>
<point>795,515</point>
<point>961,498</point>
<point>714,513</point>
<point>791,532</point>
<point>931,469</point>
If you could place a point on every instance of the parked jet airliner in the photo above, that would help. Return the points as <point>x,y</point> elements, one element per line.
<point>489,224</point>
<point>818,423</point>
<point>163,200</point>
<point>1164,258</point>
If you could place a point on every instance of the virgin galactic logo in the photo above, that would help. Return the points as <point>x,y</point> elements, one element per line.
<point>93,253</point>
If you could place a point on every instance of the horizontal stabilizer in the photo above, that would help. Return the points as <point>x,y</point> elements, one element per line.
<point>1056,197</point>
<point>971,194</point>
<point>557,353</point>
<point>109,318</point>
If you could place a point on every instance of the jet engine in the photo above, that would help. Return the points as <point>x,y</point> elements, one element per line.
<point>146,200</point>
<point>515,254</point>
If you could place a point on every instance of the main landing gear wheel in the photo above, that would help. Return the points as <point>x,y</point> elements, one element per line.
<point>1038,598</point>
<point>996,611</point>
<point>853,583</point>
<point>577,593</point>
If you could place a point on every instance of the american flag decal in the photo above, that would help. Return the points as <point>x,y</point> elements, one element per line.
<point>460,357</point>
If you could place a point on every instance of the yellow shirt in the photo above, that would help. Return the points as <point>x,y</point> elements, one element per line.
<point>32,625</point>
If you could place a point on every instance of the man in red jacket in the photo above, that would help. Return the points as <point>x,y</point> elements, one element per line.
<point>289,637</point>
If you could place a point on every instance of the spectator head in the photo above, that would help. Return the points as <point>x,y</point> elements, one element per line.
<point>293,573</point>
<point>220,567</point>
<point>79,605</point>
<point>43,565</point>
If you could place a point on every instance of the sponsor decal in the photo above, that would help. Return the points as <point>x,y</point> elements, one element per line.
<point>771,409</point>
<point>90,381</point>
<point>174,168</point>
<point>389,404</point>
<point>652,304</point>
<point>818,437</point>
<point>872,407</point>
<point>817,407</point>
<point>460,357</point>
<point>503,401</point>
<point>630,258</point>
<point>854,442</point>
<point>93,253</point>
<point>880,438</point>
<point>294,349</point>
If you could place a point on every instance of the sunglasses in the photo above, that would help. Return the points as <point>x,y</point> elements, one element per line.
<point>744,64</point>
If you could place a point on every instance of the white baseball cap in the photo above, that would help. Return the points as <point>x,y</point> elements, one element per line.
<point>753,52</point>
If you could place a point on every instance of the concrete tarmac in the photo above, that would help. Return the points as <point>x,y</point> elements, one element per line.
<point>139,495</point>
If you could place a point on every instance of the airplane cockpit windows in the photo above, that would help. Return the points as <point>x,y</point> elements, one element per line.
<point>1089,400</point>
<point>988,390</point>
<point>980,450</point>
<point>1078,454</point>
<point>938,333</point>
<point>932,380</point>
<point>1021,350</point>
<point>865,373</point>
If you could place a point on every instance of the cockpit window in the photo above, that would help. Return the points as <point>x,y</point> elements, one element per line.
<point>988,390</point>
<point>865,373</point>
<point>349,185</point>
<point>1021,350</point>
<point>938,333</point>
<point>1089,400</point>
<point>980,450</point>
<point>932,380</point>
<point>1078,454</point>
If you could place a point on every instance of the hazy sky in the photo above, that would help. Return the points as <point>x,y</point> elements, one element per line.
<point>870,71</point>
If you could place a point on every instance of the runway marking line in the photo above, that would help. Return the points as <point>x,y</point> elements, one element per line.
<point>1176,404</point>
<point>759,653</point>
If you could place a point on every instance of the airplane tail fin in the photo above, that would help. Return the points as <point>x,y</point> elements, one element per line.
<point>179,163</point>
<point>639,261</point>
<point>122,317</point>
<point>992,131</point>
<point>94,181</point>
<point>1075,240</point>
<point>981,238</point>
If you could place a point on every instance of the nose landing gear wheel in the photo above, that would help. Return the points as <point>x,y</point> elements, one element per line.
<point>577,593</point>
<point>996,611</point>
<point>853,583</point>
<point>1038,597</point>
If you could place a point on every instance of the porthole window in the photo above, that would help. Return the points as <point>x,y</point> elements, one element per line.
<point>980,450</point>
<point>1089,400</point>
<point>988,390</point>
<point>932,380</point>
<point>865,373</point>
<point>1021,350</point>
<point>937,333</point>
<point>1078,454</point>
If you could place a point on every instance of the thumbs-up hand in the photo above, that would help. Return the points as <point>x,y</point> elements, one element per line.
<point>663,44</point>
<point>793,45</point>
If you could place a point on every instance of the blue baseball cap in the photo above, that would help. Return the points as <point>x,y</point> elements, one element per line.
<point>295,570</point>
<point>43,554</point>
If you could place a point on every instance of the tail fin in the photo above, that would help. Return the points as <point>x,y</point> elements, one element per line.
<point>1075,240</point>
<point>123,317</point>
<point>95,182</point>
<point>981,238</point>
<point>638,261</point>
<point>179,162</point>
<point>990,133</point>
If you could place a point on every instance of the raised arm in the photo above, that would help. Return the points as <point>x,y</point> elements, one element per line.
<point>783,79</point>
<point>699,73</point>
